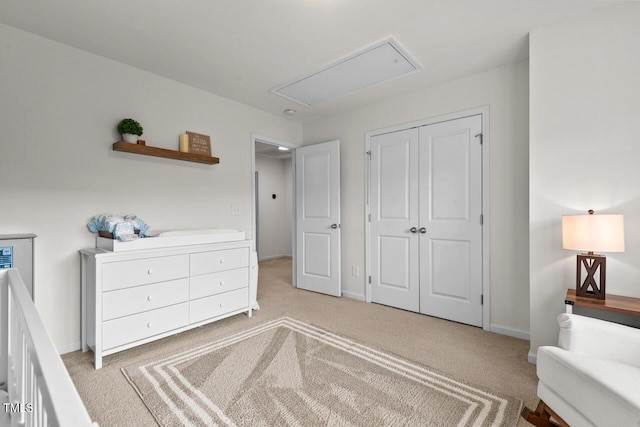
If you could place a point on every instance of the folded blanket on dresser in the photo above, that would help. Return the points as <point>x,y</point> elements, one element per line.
<point>119,226</point>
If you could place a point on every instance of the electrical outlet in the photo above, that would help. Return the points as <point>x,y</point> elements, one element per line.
<point>235,210</point>
<point>355,270</point>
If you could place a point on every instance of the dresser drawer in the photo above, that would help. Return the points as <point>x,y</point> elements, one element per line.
<point>214,261</point>
<point>124,302</point>
<point>217,283</point>
<point>217,305</point>
<point>132,328</point>
<point>125,274</point>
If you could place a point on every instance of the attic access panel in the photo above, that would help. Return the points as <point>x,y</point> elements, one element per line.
<point>381,62</point>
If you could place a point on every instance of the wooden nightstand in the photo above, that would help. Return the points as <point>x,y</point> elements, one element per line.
<point>612,304</point>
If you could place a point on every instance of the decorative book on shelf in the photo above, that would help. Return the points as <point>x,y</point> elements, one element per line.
<point>163,152</point>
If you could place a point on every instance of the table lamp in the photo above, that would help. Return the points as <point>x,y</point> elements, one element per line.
<point>601,233</point>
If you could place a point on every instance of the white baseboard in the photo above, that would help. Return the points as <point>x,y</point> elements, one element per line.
<point>270,257</point>
<point>532,357</point>
<point>353,295</point>
<point>516,333</point>
<point>68,348</point>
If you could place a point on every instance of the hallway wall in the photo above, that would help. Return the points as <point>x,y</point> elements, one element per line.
<point>275,215</point>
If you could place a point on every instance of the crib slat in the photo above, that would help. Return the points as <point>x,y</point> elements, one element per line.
<point>34,369</point>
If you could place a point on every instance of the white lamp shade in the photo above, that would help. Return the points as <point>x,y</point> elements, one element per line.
<point>595,233</point>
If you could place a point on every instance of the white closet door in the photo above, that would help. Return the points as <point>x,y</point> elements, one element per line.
<point>394,213</point>
<point>318,218</point>
<point>450,212</point>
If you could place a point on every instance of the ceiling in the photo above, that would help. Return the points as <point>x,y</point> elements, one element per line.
<point>269,150</point>
<point>240,49</point>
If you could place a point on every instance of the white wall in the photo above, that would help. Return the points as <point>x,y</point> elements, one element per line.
<point>584,150</point>
<point>505,91</point>
<point>275,215</point>
<point>58,111</point>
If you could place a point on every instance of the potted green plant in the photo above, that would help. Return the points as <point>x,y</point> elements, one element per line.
<point>130,130</point>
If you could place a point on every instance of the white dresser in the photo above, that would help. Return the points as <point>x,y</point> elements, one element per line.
<point>134,297</point>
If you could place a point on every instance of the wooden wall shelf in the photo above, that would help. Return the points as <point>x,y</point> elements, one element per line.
<point>163,152</point>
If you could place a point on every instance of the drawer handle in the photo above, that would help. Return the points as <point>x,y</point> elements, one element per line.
<point>149,298</point>
<point>221,283</point>
<point>221,260</point>
<point>149,271</point>
<point>150,324</point>
<point>221,304</point>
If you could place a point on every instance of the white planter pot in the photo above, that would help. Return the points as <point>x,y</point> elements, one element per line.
<point>129,137</point>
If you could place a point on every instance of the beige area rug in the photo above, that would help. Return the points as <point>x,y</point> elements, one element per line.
<point>289,373</point>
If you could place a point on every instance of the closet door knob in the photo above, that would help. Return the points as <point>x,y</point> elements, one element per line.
<point>334,226</point>
<point>149,271</point>
<point>149,298</point>
<point>423,230</point>
<point>150,324</point>
<point>413,230</point>
<point>221,260</point>
<point>221,283</point>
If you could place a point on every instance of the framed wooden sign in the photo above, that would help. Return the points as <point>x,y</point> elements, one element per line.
<point>199,144</point>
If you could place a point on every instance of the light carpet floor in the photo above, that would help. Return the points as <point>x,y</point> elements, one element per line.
<point>494,362</point>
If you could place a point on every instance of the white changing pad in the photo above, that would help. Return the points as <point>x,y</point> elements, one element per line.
<point>192,232</point>
<point>170,238</point>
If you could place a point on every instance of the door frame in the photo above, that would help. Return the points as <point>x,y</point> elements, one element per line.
<point>254,214</point>
<point>483,111</point>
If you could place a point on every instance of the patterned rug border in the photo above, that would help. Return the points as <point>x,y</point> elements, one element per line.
<point>341,342</point>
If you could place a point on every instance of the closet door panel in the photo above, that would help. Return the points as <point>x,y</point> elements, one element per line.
<point>450,210</point>
<point>394,201</point>
<point>449,159</point>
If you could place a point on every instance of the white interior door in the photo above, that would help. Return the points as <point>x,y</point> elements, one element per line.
<point>318,218</point>
<point>394,219</point>
<point>450,212</point>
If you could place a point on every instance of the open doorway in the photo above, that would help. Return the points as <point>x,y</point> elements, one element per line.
<point>273,200</point>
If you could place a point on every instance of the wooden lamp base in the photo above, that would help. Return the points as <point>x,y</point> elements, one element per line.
<point>594,264</point>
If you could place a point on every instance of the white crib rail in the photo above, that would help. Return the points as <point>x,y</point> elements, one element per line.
<point>39,388</point>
